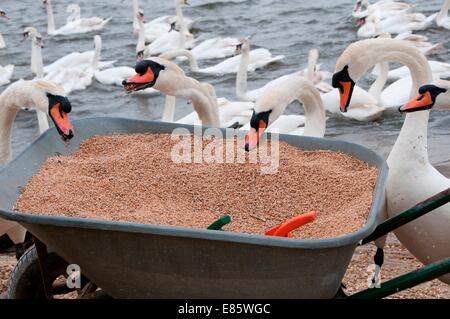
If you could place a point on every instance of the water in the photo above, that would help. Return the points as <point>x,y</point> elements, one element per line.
<point>285,27</point>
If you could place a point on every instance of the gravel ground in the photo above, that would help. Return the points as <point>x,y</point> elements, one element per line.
<point>397,261</point>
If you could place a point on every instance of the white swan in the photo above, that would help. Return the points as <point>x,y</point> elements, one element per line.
<point>244,94</point>
<point>78,60</point>
<point>156,27</point>
<point>271,105</point>
<point>372,25</point>
<point>44,96</point>
<point>76,78</point>
<point>2,41</point>
<point>412,178</point>
<point>171,40</point>
<point>215,48</point>
<point>167,77</point>
<point>76,24</point>
<point>258,58</point>
<point>114,76</point>
<point>442,18</point>
<point>381,9</point>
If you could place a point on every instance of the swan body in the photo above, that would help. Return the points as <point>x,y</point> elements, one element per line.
<point>114,76</point>
<point>412,178</point>
<point>216,48</point>
<point>34,93</point>
<point>159,26</point>
<point>77,78</point>
<point>6,73</point>
<point>258,58</point>
<point>442,18</point>
<point>419,41</point>
<point>381,9</point>
<point>75,23</point>
<point>373,26</point>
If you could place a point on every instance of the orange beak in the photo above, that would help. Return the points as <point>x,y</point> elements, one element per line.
<point>253,136</point>
<point>138,80</point>
<point>421,102</point>
<point>62,122</point>
<point>345,92</point>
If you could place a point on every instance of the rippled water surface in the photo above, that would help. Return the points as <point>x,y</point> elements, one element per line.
<point>285,27</point>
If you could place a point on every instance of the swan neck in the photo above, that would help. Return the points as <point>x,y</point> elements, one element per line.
<point>135,13</point>
<point>377,86</point>
<point>241,77</point>
<point>203,101</point>
<point>443,13</point>
<point>8,112</point>
<point>2,41</point>
<point>169,109</point>
<point>141,37</point>
<point>97,53</point>
<point>51,18</point>
<point>183,27</point>
<point>37,65</point>
<point>410,149</point>
<point>314,111</point>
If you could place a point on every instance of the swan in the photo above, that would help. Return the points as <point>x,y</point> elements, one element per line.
<point>381,9</point>
<point>216,48</point>
<point>167,77</point>
<point>371,25</point>
<point>161,23</point>
<point>80,60</point>
<point>37,69</point>
<point>258,58</point>
<point>76,24</point>
<point>44,96</point>
<point>171,40</point>
<point>242,92</point>
<point>412,178</point>
<point>2,41</point>
<point>76,78</point>
<point>442,18</point>
<point>273,102</point>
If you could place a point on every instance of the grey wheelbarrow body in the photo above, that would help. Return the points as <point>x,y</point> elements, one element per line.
<point>130,260</point>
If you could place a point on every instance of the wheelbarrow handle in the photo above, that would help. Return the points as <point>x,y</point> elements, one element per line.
<point>409,215</point>
<point>406,281</point>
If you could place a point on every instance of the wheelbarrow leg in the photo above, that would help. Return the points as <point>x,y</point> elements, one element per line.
<point>42,252</point>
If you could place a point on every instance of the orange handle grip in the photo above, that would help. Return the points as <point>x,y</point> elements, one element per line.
<point>292,224</point>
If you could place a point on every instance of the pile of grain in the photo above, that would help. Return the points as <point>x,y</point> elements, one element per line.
<point>133,178</point>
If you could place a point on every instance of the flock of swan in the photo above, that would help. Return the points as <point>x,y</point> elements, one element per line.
<point>166,41</point>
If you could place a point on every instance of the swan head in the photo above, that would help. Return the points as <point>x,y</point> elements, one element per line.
<point>242,46</point>
<point>51,99</point>
<point>259,122</point>
<point>3,14</point>
<point>343,81</point>
<point>182,2</point>
<point>46,2</point>
<point>34,35</point>
<point>426,99</point>
<point>73,8</point>
<point>147,73</point>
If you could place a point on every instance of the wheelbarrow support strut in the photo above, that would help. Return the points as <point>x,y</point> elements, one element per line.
<point>417,277</point>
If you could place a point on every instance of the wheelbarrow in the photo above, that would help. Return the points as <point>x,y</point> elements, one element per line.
<point>129,260</point>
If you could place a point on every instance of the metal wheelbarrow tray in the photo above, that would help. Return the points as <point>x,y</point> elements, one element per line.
<point>129,260</point>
